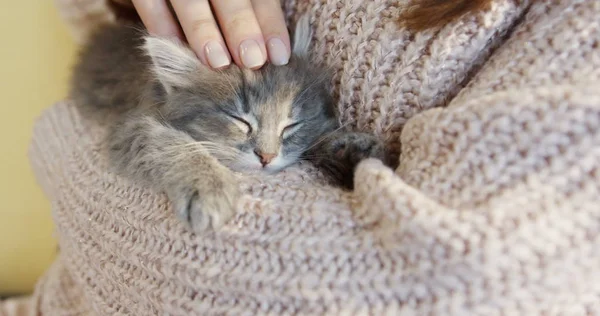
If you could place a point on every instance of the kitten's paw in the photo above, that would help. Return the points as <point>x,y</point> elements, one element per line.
<point>206,204</point>
<point>347,151</point>
<point>352,148</point>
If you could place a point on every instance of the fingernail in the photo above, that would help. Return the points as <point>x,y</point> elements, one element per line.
<point>216,55</point>
<point>278,53</point>
<point>251,54</point>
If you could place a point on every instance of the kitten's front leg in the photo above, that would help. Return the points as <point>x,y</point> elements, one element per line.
<point>339,153</point>
<point>207,201</point>
<point>203,192</point>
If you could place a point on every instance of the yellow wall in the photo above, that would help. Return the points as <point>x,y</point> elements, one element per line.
<point>35,54</point>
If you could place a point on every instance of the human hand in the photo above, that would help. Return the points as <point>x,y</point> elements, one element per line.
<point>249,31</point>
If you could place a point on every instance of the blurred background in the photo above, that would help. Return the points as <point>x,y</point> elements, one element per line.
<point>35,57</point>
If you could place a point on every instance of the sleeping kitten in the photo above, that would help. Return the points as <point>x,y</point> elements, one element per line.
<point>182,127</point>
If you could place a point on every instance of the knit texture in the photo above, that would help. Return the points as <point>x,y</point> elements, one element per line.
<point>494,208</point>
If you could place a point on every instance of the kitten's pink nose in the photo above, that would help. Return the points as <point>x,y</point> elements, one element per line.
<point>265,158</point>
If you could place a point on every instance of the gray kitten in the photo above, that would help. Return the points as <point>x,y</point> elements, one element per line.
<point>181,127</point>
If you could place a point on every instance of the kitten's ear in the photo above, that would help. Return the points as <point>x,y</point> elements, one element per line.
<point>172,63</point>
<point>302,36</point>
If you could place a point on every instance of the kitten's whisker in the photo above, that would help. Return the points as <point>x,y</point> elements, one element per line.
<point>318,80</point>
<point>326,136</point>
<point>222,150</point>
<point>164,120</point>
<point>211,148</point>
<point>219,151</point>
<point>181,146</point>
<point>312,157</point>
<point>327,161</point>
<point>199,144</point>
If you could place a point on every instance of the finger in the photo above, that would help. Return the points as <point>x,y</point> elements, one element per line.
<point>202,32</point>
<point>272,23</point>
<point>157,18</point>
<point>242,32</point>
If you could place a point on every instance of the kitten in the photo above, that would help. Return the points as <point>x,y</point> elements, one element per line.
<point>182,128</point>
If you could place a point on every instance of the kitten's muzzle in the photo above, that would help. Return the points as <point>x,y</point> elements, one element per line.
<point>265,158</point>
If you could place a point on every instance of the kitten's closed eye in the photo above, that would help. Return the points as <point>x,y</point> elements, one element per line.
<point>243,124</point>
<point>290,129</point>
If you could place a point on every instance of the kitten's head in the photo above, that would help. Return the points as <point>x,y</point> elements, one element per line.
<point>249,120</point>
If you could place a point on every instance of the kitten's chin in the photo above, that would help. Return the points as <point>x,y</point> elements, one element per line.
<point>278,165</point>
<point>256,169</point>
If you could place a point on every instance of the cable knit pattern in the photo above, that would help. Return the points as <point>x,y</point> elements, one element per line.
<point>494,208</point>
<point>383,75</point>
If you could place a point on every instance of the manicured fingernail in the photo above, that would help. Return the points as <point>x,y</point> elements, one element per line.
<point>278,53</point>
<point>251,54</point>
<point>216,55</point>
